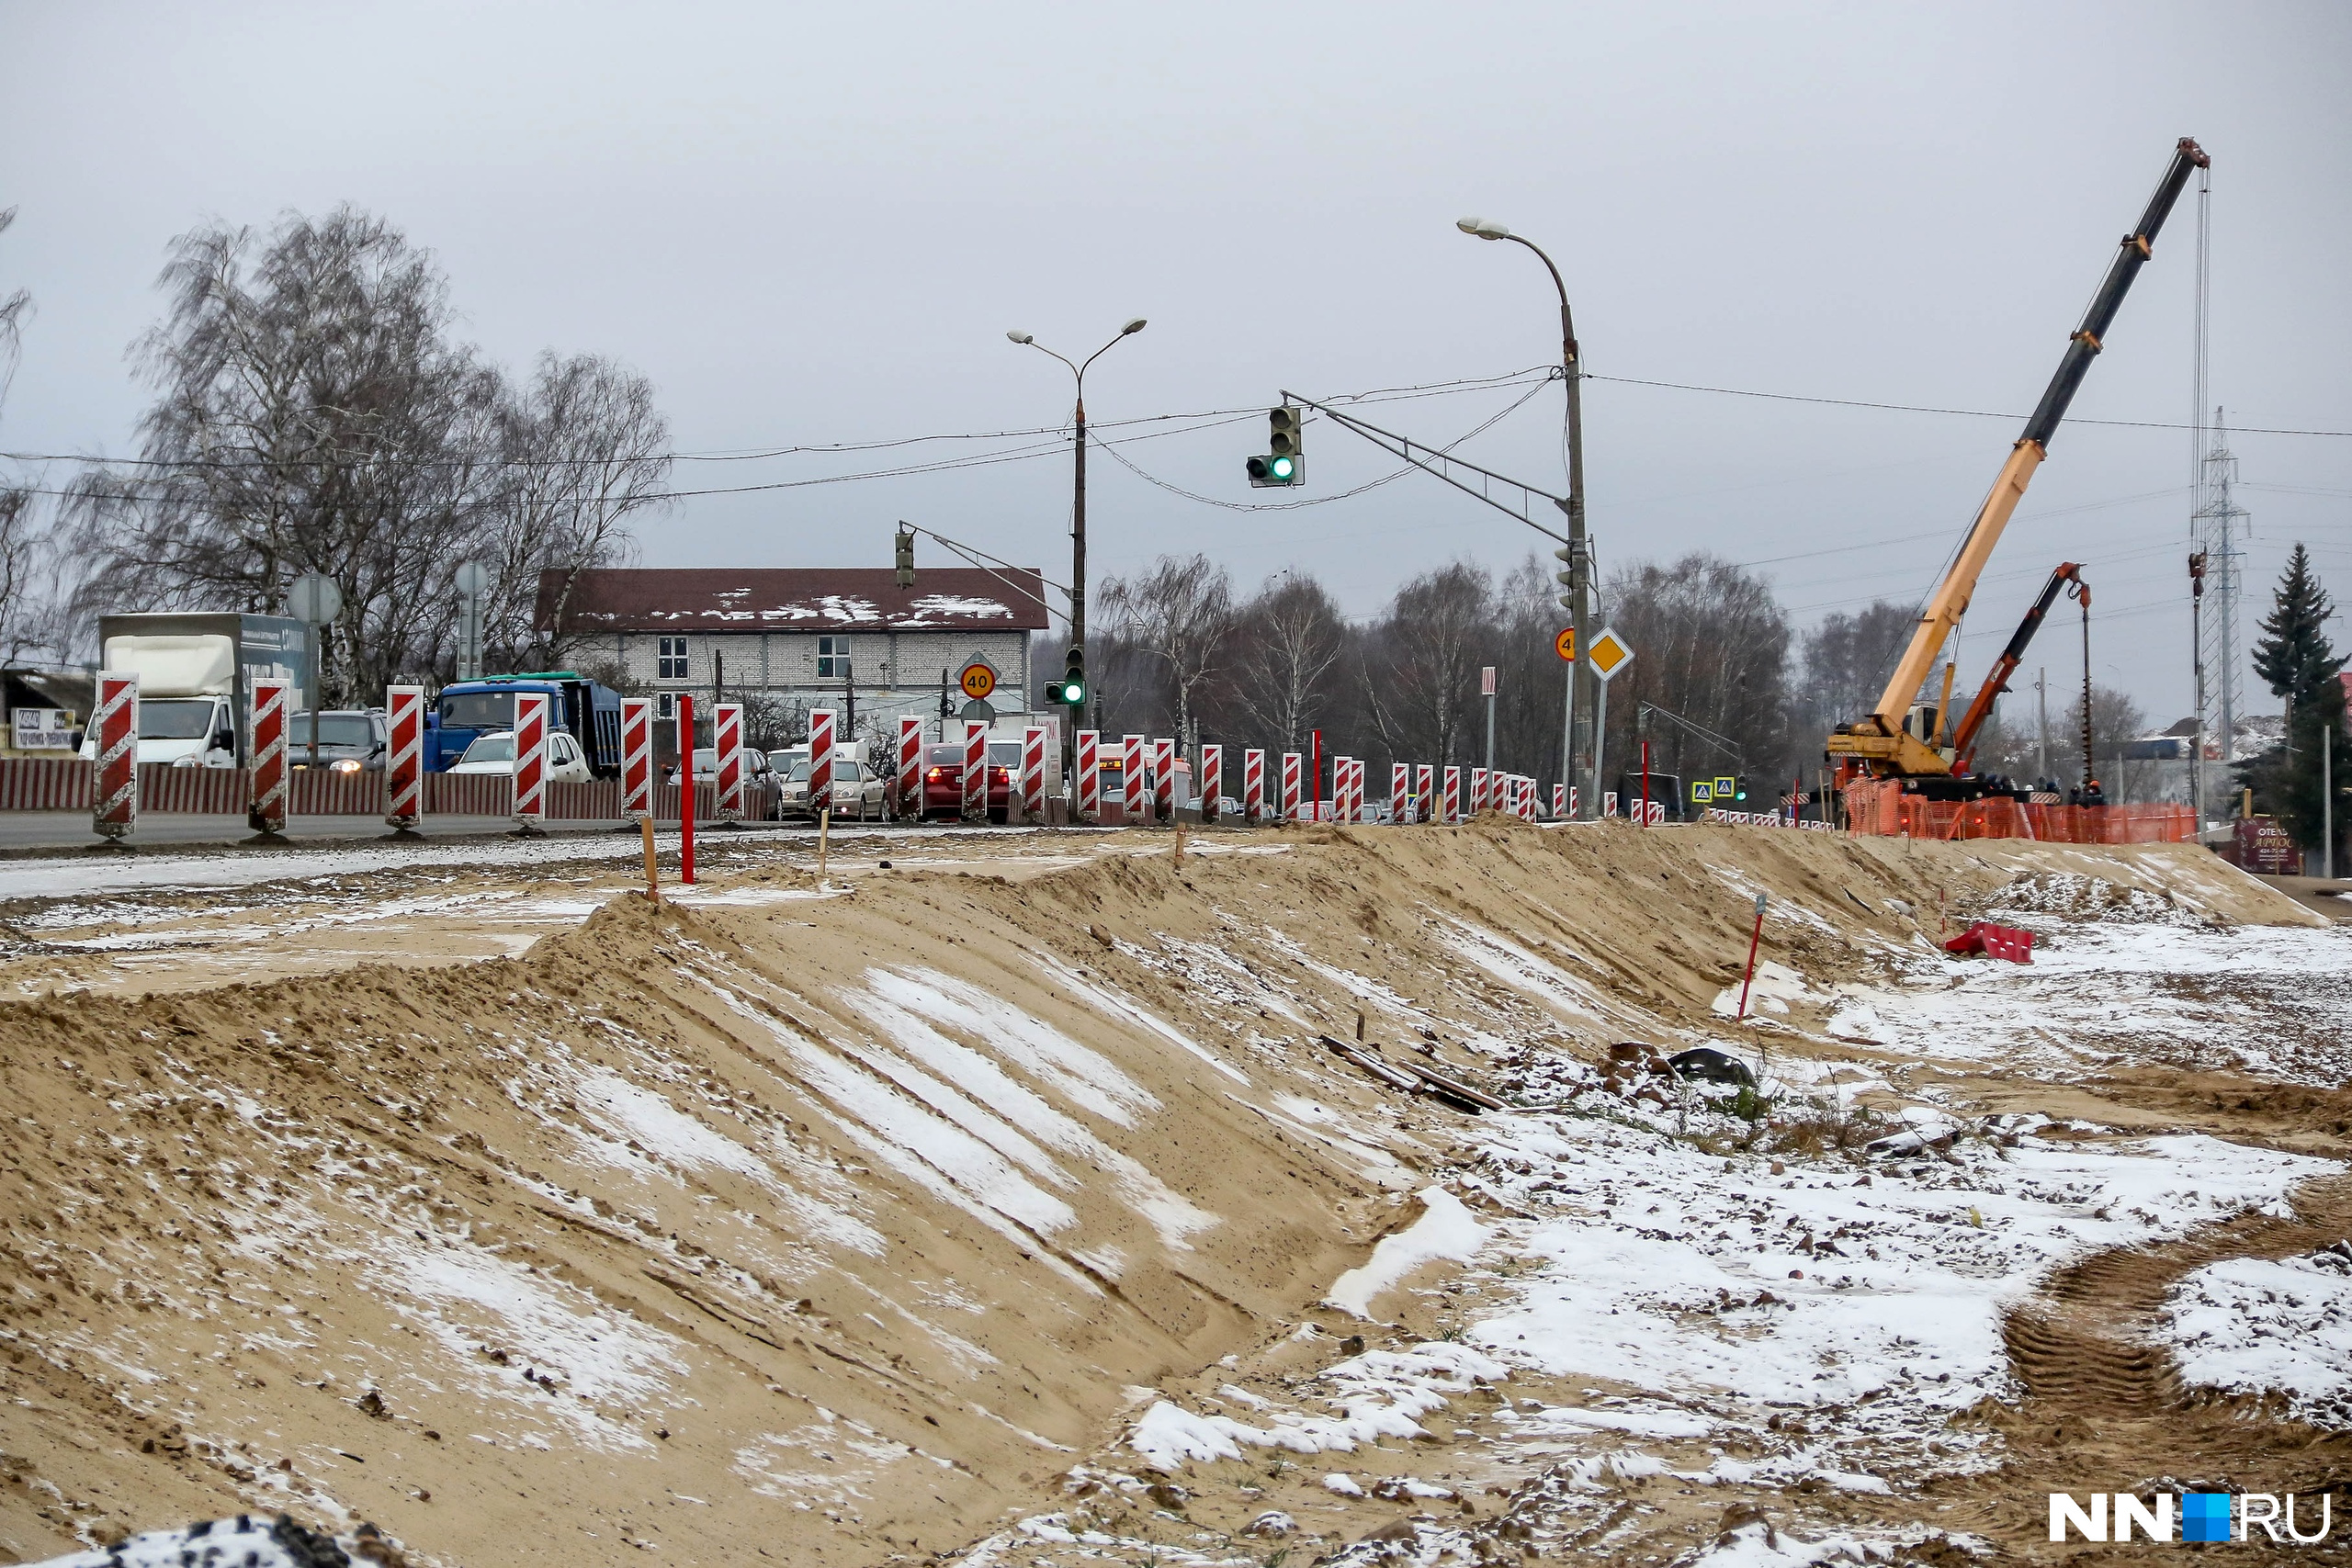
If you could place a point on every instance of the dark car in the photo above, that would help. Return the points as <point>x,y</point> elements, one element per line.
<point>942,779</point>
<point>351,740</point>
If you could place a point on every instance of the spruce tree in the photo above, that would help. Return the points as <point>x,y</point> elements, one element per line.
<point>2296,660</point>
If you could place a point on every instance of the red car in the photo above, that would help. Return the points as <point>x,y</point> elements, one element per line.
<point>942,780</point>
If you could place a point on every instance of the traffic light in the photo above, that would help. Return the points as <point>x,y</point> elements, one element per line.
<point>1285,460</point>
<point>1572,579</point>
<point>1073,689</point>
<point>1739,789</point>
<point>906,556</point>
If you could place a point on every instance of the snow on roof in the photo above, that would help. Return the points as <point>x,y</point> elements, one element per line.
<point>793,599</point>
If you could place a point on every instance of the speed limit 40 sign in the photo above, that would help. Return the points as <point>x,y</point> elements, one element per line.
<point>978,680</point>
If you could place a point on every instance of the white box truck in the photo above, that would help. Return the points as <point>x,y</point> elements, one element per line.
<point>195,674</point>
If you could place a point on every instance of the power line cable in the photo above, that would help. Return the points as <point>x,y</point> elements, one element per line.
<point>1210,416</point>
<point>1919,407</point>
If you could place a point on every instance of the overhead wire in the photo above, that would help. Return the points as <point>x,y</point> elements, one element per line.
<point>1541,373</point>
<point>1922,408</point>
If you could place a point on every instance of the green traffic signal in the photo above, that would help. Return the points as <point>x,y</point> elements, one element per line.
<point>1283,463</point>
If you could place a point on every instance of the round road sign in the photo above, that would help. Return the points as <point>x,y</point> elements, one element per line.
<point>1565,645</point>
<point>978,680</point>
<point>314,598</point>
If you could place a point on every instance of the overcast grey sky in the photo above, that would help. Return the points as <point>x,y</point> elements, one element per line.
<point>814,224</point>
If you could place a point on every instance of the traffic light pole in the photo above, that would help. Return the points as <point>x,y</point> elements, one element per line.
<point>1473,480</point>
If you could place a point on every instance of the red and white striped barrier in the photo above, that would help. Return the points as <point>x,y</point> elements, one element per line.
<point>1163,779</point>
<point>1088,793</point>
<point>265,744</point>
<point>44,783</point>
<point>1033,772</point>
<point>1212,781</point>
<point>820,759</point>
<point>1291,790</point>
<point>1253,785</point>
<point>976,771</point>
<point>727,740</point>
<point>114,796</point>
<point>911,767</point>
<point>1478,790</point>
<point>530,757</point>
<point>1134,773</point>
<point>403,757</point>
<point>1400,791</point>
<point>1452,794</point>
<point>1424,791</point>
<point>1657,814</point>
<point>1527,800</point>
<point>1559,801</point>
<point>636,757</point>
<point>1351,795</point>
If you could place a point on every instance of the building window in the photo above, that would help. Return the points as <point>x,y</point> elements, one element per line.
<point>673,659</point>
<point>833,659</point>
<point>666,704</point>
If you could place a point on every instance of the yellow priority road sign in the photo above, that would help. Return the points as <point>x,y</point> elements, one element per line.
<point>1565,645</point>
<point>1609,654</point>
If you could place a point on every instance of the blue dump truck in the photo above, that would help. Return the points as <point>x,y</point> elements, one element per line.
<point>591,711</point>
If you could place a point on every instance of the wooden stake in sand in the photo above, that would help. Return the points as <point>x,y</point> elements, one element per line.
<point>824,829</point>
<point>1180,840</point>
<point>652,870</point>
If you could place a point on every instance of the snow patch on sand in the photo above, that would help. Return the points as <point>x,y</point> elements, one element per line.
<point>1446,1230</point>
<point>2262,1326</point>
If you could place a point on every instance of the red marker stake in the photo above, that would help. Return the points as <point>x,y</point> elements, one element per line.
<point>686,788</point>
<point>1753,937</point>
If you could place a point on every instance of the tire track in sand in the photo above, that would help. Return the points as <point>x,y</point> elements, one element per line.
<point>2104,1408</point>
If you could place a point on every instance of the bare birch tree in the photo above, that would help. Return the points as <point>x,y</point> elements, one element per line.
<point>583,451</point>
<point>1286,648</point>
<point>1177,616</point>
<point>1421,665</point>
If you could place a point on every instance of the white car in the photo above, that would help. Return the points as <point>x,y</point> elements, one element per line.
<point>494,753</point>
<point>857,790</point>
<point>755,764</point>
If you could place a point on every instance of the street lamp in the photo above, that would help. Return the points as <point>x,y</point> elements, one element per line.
<point>1078,508</point>
<point>1581,677</point>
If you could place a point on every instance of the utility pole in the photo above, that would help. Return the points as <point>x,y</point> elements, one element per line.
<point>2327,799</point>
<point>1077,519</point>
<point>1578,551</point>
<point>2041,707</point>
<point>1486,686</point>
<point>2197,661</point>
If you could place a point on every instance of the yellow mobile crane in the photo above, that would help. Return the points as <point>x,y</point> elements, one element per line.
<point>1906,739</point>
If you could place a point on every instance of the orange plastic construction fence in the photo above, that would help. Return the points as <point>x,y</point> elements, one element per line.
<point>1880,807</point>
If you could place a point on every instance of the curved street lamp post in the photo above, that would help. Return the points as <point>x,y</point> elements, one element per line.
<point>1077,514</point>
<point>1577,742</point>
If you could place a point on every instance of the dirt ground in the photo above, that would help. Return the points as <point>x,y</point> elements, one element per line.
<point>863,1220</point>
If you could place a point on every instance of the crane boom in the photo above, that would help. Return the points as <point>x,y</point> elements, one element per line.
<point>1880,738</point>
<point>1963,739</point>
